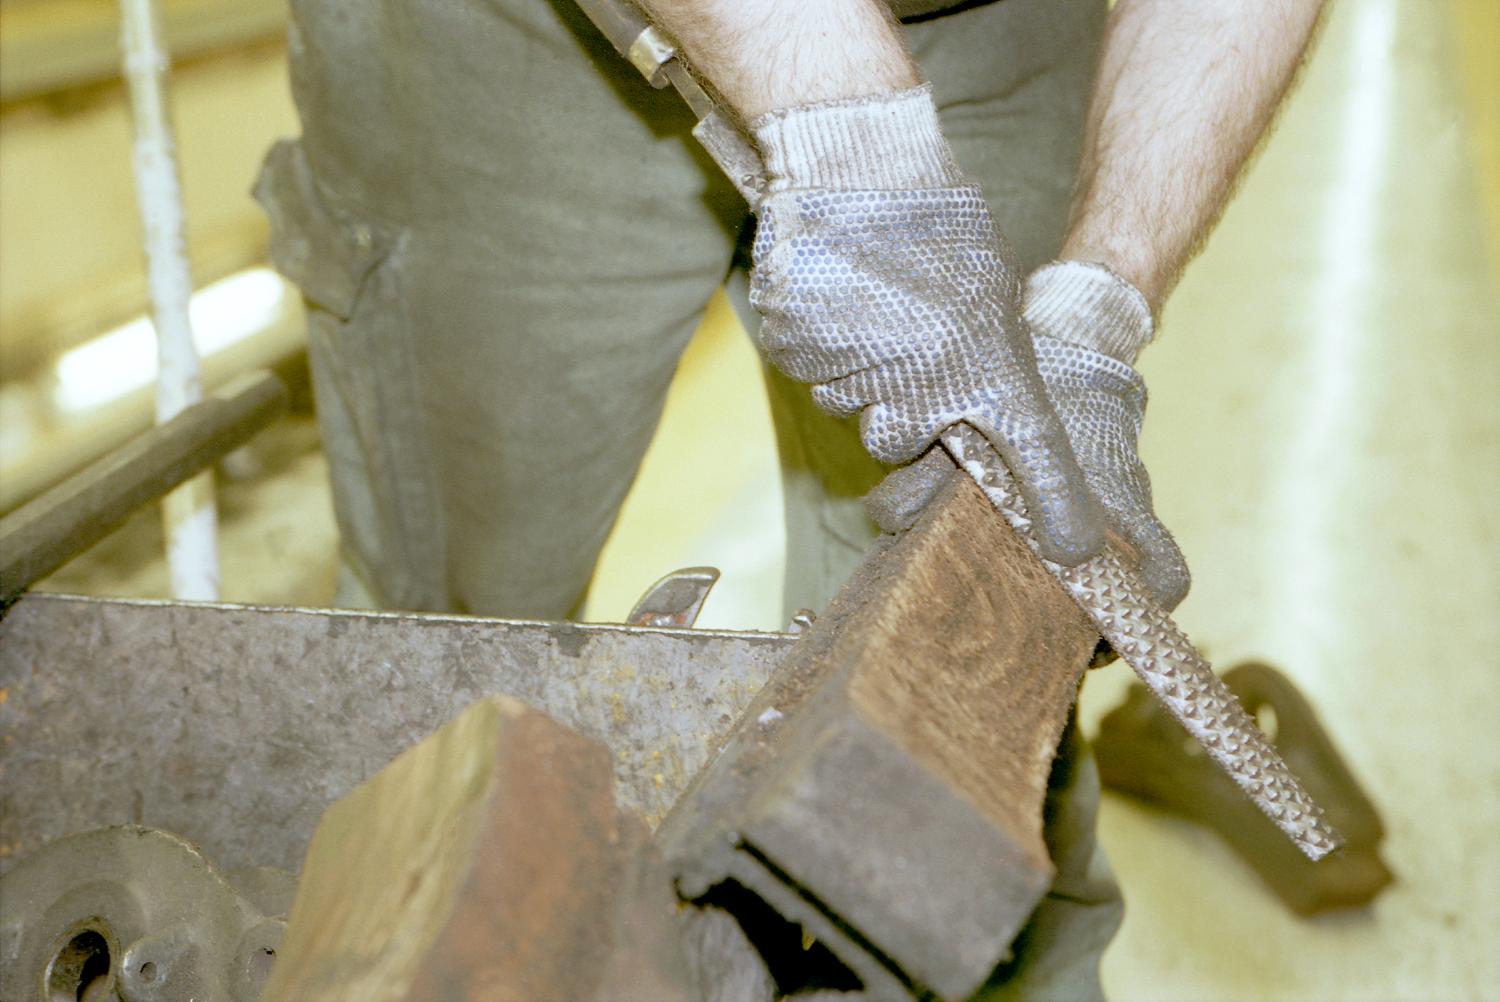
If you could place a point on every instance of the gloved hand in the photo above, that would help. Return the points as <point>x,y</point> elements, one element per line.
<point>1089,325</point>
<point>882,280</point>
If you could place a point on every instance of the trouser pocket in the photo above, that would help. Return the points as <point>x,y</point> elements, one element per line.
<point>367,380</point>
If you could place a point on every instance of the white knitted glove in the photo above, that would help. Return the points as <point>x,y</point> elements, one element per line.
<point>1088,325</point>
<point>883,281</point>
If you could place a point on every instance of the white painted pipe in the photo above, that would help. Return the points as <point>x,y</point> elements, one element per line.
<point>188,513</point>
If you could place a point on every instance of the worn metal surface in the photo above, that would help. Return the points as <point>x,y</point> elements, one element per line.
<point>487,862</point>
<point>45,533</point>
<point>139,915</point>
<point>236,726</point>
<point>1142,753</point>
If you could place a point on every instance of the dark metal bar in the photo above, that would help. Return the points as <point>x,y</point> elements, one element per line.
<point>48,531</point>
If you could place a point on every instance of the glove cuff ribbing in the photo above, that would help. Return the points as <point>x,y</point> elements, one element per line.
<point>1090,306</point>
<point>891,141</point>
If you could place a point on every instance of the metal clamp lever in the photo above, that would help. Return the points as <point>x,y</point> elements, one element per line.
<point>646,46</point>
<point>655,55</point>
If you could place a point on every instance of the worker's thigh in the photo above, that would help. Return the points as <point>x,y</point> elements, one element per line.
<point>1011,80</point>
<point>506,239</point>
<point>1057,954</point>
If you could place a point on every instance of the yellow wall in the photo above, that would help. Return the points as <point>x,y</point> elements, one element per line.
<point>1476,28</point>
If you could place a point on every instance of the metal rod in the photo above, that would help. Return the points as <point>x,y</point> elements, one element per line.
<point>189,517</point>
<point>42,535</point>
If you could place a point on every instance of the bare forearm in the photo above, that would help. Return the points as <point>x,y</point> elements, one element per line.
<point>759,55</point>
<point>1184,92</point>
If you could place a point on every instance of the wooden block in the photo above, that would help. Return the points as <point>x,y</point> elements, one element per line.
<point>886,787</point>
<point>488,862</point>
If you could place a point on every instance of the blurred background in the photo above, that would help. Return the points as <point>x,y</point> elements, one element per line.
<point>1324,436</point>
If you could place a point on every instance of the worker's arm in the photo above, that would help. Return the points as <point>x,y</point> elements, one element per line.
<point>879,272</point>
<point>1185,89</point>
<point>763,55</point>
<point>1184,92</point>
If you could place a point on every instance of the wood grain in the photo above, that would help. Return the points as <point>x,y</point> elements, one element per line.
<point>488,862</point>
<point>886,787</point>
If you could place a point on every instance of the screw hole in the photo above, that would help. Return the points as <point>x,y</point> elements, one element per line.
<point>80,972</point>
<point>148,971</point>
<point>260,964</point>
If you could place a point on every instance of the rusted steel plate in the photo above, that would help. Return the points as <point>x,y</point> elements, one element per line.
<point>236,726</point>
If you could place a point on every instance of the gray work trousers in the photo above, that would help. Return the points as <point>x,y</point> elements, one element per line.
<point>506,238</point>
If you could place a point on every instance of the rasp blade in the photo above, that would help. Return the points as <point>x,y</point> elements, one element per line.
<point>1146,638</point>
